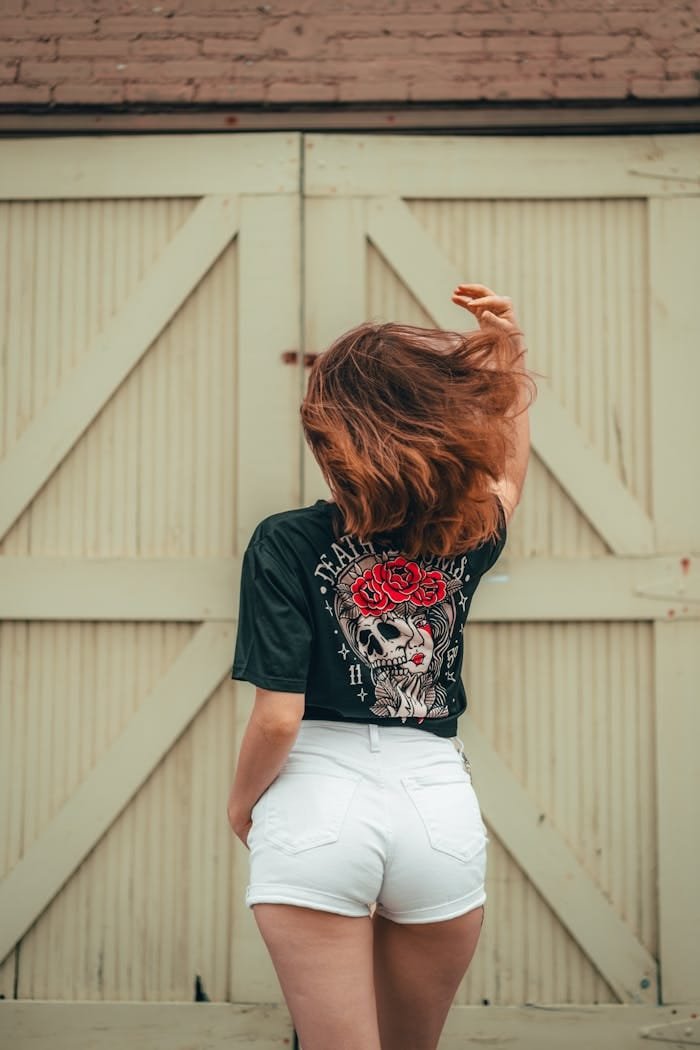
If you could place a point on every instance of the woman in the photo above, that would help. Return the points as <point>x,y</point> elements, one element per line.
<point>352,790</point>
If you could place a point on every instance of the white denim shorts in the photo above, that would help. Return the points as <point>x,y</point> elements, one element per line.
<point>364,815</point>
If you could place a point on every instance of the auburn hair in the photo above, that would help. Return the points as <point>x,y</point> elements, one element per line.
<point>410,427</point>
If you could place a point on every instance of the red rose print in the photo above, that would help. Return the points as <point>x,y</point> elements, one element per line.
<point>398,578</point>
<point>368,595</point>
<point>431,590</point>
<point>387,584</point>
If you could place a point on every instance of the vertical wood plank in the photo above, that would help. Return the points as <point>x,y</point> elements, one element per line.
<point>674,253</point>
<point>267,471</point>
<point>334,290</point>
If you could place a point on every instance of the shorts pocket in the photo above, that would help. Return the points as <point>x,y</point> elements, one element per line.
<point>306,810</point>
<point>449,809</point>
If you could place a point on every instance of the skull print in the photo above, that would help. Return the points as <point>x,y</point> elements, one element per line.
<point>397,616</point>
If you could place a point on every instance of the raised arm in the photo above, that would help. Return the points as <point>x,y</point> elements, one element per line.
<point>495,313</point>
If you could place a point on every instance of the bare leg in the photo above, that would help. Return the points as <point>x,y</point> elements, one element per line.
<point>324,965</point>
<point>417,970</point>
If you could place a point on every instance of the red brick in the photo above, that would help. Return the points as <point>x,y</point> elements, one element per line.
<point>683,64</point>
<point>12,7</point>
<point>573,22</point>
<point>623,21</point>
<point>498,71</point>
<point>54,72</point>
<point>670,25</point>
<point>290,91</point>
<point>471,48</point>
<point>230,90</point>
<point>21,93</point>
<point>8,71</point>
<point>497,22</point>
<point>522,44</point>
<point>689,42</point>
<point>639,65</point>
<point>145,91</point>
<point>594,46</point>
<point>571,67</point>
<point>90,47</point>
<point>32,28</point>
<point>687,87</point>
<point>28,48</point>
<point>367,24</point>
<point>525,89</point>
<point>431,6</point>
<point>155,72</point>
<point>240,26</point>
<point>437,89</point>
<point>371,47</point>
<point>132,26</point>
<point>295,37</point>
<point>407,24</point>
<point>228,47</point>
<point>386,89</point>
<point>88,94</point>
<point>178,47</point>
<point>40,8</point>
<point>579,88</point>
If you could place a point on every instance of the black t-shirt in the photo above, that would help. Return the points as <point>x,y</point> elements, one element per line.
<point>365,633</point>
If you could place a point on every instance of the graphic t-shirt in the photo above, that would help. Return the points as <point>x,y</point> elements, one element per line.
<point>367,634</point>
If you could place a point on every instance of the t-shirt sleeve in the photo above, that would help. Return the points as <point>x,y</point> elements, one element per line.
<point>489,552</point>
<point>273,643</point>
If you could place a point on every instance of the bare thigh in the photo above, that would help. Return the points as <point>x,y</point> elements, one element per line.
<point>324,965</point>
<point>417,970</point>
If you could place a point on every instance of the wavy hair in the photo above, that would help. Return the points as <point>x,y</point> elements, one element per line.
<point>410,427</point>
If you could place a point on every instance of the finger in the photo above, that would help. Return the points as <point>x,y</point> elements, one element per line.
<point>475,289</point>
<point>501,301</point>
<point>461,300</point>
<point>498,322</point>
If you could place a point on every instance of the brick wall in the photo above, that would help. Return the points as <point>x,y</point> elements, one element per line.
<point>100,53</point>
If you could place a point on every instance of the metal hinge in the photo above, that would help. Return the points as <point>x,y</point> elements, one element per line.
<point>682,1033</point>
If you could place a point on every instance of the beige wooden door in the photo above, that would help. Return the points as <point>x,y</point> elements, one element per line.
<point>582,660</point>
<point>150,289</point>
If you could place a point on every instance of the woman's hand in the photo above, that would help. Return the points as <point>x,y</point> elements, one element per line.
<point>241,823</point>
<point>492,311</point>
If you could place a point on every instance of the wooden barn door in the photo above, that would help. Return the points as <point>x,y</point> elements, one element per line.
<point>150,289</point>
<point>582,661</point>
<point>153,301</point>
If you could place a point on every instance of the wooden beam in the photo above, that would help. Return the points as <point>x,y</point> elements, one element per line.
<point>656,117</point>
<point>268,471</point>
<point>499,167</point>
<point>144,1026</point>
<point>269,266</point>
<point>674,259</point>
<point>51,859</point>
<point>123,166</point>
<point>550,864</point>
<point>218,1026</point>
<point>118,348</point>
<point>195,589</point>
<point>588,480</point>
<point>113,589</point>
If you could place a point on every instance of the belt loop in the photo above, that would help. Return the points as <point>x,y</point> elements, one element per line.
<point>373,737</point>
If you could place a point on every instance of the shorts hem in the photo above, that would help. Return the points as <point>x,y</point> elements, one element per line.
<point>436,913</point>
<point>262,893</point>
